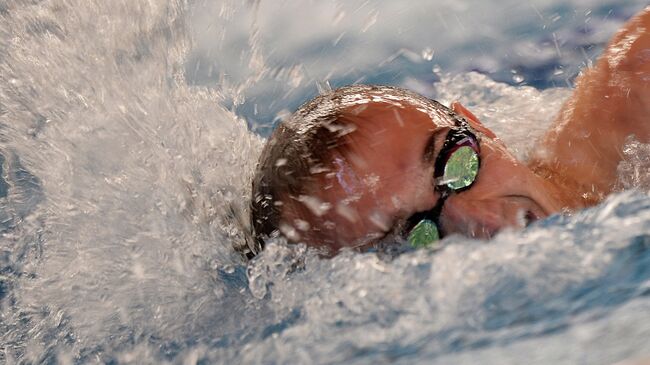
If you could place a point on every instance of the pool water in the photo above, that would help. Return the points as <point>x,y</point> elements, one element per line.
<point>128,134</point>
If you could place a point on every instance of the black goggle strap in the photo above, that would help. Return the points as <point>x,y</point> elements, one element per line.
<point>424,227</point>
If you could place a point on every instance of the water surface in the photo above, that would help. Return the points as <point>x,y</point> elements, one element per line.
<point>128,133</point>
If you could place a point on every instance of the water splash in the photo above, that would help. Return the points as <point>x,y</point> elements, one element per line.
<point>518,115</point>
<point>120,199</point>
<point>634,169</point>
<point>120,166</point>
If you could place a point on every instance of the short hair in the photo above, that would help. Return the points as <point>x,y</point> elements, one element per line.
<point>300,146</point>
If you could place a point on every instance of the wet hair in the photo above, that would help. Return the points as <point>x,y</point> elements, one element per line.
<point>299,148</point>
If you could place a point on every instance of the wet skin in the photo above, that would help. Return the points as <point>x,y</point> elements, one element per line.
<point>611,101</point>
<point>386,174</point>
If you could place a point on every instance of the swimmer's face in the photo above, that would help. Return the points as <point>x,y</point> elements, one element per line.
<point>385,176</point>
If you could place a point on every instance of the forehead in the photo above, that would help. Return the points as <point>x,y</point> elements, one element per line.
<point>388,142</point>
<point>390,135</point>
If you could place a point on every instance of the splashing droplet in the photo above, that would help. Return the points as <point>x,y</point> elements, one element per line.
<point>301,225</point>
<point>289,231</point>
<point>427,54</point>
<point>518,78</point>
<point>315,205</point>
<point>370,21</point>
<point>282,115</point>
<point>296,75</point>
<point>340,14</point>
<point>324,87</point>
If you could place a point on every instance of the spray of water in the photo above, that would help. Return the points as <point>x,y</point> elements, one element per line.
<point>122,181</point>
<point>122,188</point>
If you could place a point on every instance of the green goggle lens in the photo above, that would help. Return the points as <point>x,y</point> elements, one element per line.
<point>424,234</point>
<point>461,168</point>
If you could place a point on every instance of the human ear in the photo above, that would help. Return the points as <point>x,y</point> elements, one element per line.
<point>458,108</point>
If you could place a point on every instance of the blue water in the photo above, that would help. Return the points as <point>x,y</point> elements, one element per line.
<point>128,133</point>
<point>542,43</point>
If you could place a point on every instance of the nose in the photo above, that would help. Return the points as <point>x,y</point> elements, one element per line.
<point>481,218</point>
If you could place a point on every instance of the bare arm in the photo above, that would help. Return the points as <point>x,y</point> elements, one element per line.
<point>581,152</point>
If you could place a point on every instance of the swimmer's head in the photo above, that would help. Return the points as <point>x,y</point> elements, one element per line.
<point>356,166</point>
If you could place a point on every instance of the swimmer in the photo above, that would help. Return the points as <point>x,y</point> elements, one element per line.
<point>365,165</point>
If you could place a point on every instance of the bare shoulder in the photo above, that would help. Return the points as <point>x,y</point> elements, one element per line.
<point>629,49</point>
<point>623,70</point>
<point>626,61</point>
<point>611,101</point>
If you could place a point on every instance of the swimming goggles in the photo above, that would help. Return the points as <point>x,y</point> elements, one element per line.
<point>455,170</point>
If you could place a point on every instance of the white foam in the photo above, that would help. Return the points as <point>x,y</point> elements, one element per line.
<point>126,184</point>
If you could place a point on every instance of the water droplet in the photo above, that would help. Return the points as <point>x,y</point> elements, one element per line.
<point>380,220</point>
<point>345,211</point>
<point>138,271</point>
<point>338,39</point>
<point>370,21</point>
<point>301,225</point>
<point>296,75</point>
<point>282,115</point>
<point>315,205</point>
<point>238,99</point>
<point>427,54</point>
<point>257,282</point>
<point>324,87</point>
<point>518,78</point>
<point>218,291</point>
<point>340,14</point>
<point>318,169</point>
<point>289,232</point>
<point>436,69</point>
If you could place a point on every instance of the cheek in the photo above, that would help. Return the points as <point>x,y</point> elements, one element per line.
<point>412,191</point>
